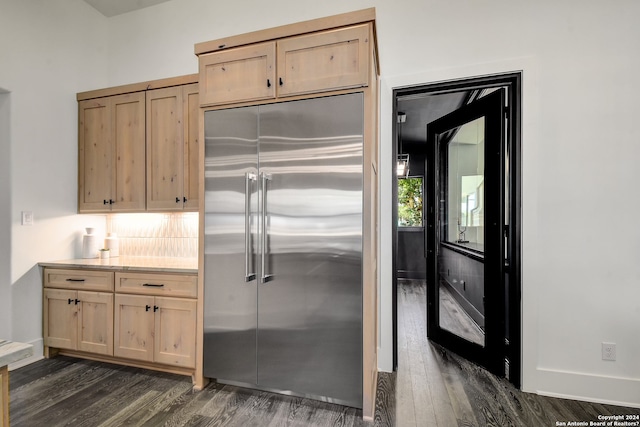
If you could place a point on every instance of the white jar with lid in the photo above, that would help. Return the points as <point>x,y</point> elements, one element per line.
<point>112,243</point>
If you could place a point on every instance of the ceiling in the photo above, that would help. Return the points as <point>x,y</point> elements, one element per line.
<point>111,8</point>
<point>423,108</point>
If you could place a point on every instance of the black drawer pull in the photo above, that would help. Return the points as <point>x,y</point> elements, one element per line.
<point>75,280</point>
<point>155,308</point>
<point>153,285</point>
<point>147,307</point>
<point>70,301</point>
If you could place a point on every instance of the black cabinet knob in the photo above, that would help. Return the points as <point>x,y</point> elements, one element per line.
<point>268,83</point>
<point>70,301</point>
<point>281,82</point>
<point>155,308</point>
<point>147,307</point>
<point>177,199</point>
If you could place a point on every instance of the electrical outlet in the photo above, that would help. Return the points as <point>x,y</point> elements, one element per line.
<point>608,351</point>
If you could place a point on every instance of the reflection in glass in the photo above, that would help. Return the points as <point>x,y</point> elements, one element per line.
<point>462,219</point>
<point>465,186</point>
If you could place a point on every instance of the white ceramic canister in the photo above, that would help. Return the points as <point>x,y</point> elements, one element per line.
<point>89,244</point>
<point>112,243</point>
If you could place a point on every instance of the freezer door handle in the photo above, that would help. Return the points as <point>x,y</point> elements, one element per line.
<point>249,178</point>
<point>266,177</point>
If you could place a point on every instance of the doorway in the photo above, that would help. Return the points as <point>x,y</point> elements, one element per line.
<point>462,139</point>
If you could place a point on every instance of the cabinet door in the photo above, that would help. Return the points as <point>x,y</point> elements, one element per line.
<point>134,323</point>
<point>238,75</point>
<point>95,155</point>
<point>95,322</point>
<point>60,319</point>
<point>330,60</point>
<point>175,332</point>
<point>128,135</point>
<point>191,109</point>
<point>164,149</point>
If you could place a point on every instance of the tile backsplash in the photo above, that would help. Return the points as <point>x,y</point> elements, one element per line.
<point>156,234</point>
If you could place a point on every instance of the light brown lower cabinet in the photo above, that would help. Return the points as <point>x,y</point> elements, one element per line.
<point>79,320</point>
<point>145,319</point>
<point>156,329</point>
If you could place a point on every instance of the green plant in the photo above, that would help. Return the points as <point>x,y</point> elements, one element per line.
<point>410,202</point>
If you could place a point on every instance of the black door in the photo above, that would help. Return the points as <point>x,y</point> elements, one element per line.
<point>465,231</point>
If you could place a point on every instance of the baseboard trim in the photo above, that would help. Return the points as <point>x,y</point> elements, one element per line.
<point>588,387</point>
<point>38,354</point>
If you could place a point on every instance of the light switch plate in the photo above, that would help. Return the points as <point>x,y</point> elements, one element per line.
<point>27,218</point>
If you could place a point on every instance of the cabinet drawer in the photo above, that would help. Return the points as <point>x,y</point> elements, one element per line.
<point>177,285</point>
<point>86,280</point>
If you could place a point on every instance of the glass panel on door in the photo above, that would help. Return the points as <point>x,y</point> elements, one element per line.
<point>461,272</point>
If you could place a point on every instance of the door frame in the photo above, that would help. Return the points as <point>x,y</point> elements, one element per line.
<point>513,81</point>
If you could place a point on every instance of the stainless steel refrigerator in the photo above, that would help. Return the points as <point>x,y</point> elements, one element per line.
<point>283,247</point>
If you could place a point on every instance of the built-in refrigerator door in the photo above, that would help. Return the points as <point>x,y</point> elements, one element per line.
<point>230,259</point>
<point>310,289</point>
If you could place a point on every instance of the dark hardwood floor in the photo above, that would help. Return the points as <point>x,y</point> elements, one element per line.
<point>432,387</point>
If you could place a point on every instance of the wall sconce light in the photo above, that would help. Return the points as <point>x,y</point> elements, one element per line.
<point>402,165</point>
<point>402,162</point>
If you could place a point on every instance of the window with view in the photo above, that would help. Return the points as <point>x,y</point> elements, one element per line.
<point>410,201</point>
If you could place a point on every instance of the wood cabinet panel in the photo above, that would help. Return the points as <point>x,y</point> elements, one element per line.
<point>60,319</point>
<point>78,320</point>
<point>238,75</point>
<point>329,60</point>
<point>155,329</point>
<point>172,148</point>
<point>128,132</point>
<point>95,155</point>
<point>175,331</point>
<point>88,280</point>
<point>4,396</point>
<point>111,154</point>
<point>133,330</point>
<point>191,109</point>
<point>164,148</point>
<point>95,322</point>
<point>176,285</point>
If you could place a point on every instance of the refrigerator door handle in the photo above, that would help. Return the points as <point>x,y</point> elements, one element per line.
<point>248,276</point>
<point>264,246</point>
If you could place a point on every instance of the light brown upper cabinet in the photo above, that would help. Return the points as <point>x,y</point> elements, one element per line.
<point>317,62</point>
<point>329,60</point>
<point>111,154</point>
<point>172,151</point>
<point>238,75</point>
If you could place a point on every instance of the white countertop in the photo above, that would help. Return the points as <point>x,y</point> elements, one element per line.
<point>13,351</point>
<point>130,263</point>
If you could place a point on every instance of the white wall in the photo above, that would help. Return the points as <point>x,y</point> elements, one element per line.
<point>5,215</point>
<point>49,50</point>
<point>580,144</point>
